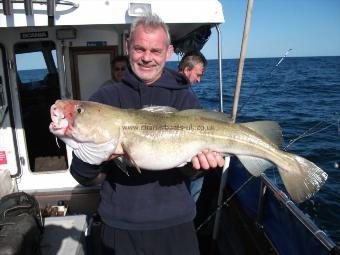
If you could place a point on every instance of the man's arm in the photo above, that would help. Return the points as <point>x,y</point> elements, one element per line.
<point>84,173</point>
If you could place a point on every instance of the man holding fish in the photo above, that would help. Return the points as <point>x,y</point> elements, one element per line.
<point>149,212</point>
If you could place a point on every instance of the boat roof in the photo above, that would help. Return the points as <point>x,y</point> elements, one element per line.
<point>119,13</point>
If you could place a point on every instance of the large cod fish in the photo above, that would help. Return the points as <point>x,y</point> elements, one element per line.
<point>157,138</point>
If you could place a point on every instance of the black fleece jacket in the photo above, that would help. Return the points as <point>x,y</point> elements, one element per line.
<point>152,199</point>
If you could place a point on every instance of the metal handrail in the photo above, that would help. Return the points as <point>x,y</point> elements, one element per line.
<point>290,205</point>
<point>219,47</point>
<point>28,5</point>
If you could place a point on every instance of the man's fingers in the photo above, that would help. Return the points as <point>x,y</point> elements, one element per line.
<point>219,159</point>
<point>202,158</point>
<point>207,159</point>
<point>211,159</point>
<point>195,163</point>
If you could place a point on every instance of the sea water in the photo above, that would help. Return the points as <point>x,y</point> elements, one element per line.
<point>303,96</point>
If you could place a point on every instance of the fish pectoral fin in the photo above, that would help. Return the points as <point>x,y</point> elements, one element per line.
<point>269,129</point>
<point>121,163</point>
<point>255,166</point>
<point>128,156</point>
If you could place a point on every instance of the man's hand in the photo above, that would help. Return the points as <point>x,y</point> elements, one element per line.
<point>207,159</point>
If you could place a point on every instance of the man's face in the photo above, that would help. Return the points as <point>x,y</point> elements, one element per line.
<point>118,70</point>
<point>148,52</point>
<point>195,74</point>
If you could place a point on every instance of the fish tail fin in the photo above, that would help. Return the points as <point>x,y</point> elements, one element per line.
<point>303,180</point>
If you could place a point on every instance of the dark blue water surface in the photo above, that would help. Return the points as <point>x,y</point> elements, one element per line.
<point>302,95</point>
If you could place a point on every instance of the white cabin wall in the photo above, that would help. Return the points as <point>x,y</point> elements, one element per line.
<point>55,180</point>
<point>106,34</point>
<point>7,145</point>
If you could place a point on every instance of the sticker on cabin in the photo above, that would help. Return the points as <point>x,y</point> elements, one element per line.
<point>3,158</point>
<point>30,35</point>
<point>96,43</point>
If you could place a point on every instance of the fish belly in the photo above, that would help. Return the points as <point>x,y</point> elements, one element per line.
<point>157,157</point>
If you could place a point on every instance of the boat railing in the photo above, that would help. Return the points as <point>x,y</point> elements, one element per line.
<point>28,6</point>
<point>268,211</point>
<point>266,183</point>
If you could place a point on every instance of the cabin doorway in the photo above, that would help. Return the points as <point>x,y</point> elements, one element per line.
<point>3,104</point>
<point>38,87</point>
<point>90,68</point>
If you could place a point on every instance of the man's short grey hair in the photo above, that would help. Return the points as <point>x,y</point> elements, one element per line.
<point>191,59</point>
<point>152,21</point>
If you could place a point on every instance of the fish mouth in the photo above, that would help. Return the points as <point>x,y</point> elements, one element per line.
<point>59,124</point>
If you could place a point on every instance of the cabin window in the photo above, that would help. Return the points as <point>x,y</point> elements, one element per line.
<point>28,73</point>
<point>38,86</point>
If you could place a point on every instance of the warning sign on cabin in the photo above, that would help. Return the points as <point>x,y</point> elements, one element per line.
<point>3,158</point>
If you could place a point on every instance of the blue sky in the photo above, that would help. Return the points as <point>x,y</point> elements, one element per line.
<point>309,27</point>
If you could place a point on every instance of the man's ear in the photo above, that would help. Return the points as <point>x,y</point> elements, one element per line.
<point>169,52</point>
<point>186,71</point>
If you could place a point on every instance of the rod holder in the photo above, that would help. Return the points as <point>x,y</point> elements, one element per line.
<point>28,7</point>
<point>7,7</point>
<point>51,8</point>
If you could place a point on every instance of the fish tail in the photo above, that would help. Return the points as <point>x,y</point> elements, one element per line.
<point>302,179</point>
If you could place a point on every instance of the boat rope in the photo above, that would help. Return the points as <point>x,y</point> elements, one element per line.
<point>225,203</point>
<point>269,75</point>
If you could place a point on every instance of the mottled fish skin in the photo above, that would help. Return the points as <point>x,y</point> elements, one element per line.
<point>157,139</point>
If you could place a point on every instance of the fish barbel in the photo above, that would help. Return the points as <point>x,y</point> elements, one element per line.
<point>157,138</point>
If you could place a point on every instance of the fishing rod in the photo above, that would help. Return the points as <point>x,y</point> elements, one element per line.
<point>225,203</point>
<point>317,128</point>
<point>311,131</point>
<point>263,79</point>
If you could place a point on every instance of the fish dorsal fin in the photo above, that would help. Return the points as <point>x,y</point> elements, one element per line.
<point>255,166</point>
<point>206,114</point>
<point>161,109</point>
<point>269,129</point>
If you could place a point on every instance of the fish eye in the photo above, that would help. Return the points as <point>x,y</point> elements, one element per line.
<point>79,109</point>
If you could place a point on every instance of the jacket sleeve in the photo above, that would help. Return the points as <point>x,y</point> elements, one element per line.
<point>84,173</point>
<point>107,95</point>
<point>188,100</point>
